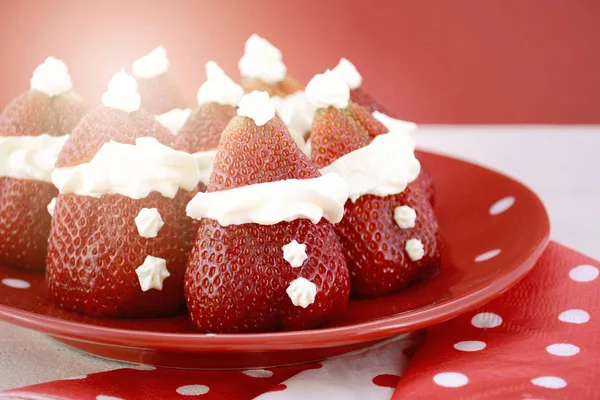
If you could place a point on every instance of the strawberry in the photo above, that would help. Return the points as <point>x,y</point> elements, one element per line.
<point>237,276</point>
<point>24,218</point>
<point>203,128</point>
<point>374,244</point>
<point>159,94</point>
<point>282,89</point>
<point>360,97</point>
<point>95,247</point>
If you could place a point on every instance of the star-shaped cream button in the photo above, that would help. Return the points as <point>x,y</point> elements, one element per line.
<point>294,253</point>
<point>152,273</point>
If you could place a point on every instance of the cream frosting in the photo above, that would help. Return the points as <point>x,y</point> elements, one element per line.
<point>294,253</point>
<point>152,64</point>
<point>405,217</point>
<point>273,202</point>
<point>148,222</point>
<point>51,206</point>
<point>383,167</point>
<point>415,249</point>
<point>130,170</point>
<point>348,72</point>
<point>30,157</point>
<point>394,124</point>
<point>328,89</point>
<point>297,113</point>
<point>302,292</point>
<point>219,88</point>
<point>262,60</point>
<point>122,93</point>
<point>174,120</point>
<point>52,77</point>
<point>205,161</point>
<point>152,273</point>
<point>258,106</point>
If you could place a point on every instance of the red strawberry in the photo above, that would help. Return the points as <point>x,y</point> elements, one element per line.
<point>359,96</point>
<point>374,244</point>
<point>158,92</point>
<point>203,128</point>
<point>282,89</point>
<point>237,277</point>
<point>95,247</point>
<point>24,218</point>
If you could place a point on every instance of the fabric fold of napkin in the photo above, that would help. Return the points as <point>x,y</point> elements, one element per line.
<point>539,340</point>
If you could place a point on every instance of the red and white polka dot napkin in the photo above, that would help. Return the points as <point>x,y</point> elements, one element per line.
<point>540,340</point>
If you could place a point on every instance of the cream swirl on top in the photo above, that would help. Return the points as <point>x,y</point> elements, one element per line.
<point>52,77</point>
<point>219,88</point>
<point>122,93</point>
<point>262,60</point>
<point>152,64</point>
<point>348,72</point>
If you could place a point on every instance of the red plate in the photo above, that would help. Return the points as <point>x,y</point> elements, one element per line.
<point>494,230</point>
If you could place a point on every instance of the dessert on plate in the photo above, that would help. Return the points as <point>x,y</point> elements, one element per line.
<point>262,69</point>
<point>389,232</point>
<point>266,256</point>
<point>120,239</point>
<point>33,128</point>
<point>198,131</point>
<point>158,92</point>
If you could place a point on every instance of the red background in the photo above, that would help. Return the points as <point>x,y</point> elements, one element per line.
<point>435,61</point>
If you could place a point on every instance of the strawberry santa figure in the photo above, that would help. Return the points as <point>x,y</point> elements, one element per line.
<point>266,257</point>
<point>158,92</point>
<point>389,232</point>
<point>198,131</point>
<point>262,68</point>
<point>120,238</point>
<point>33,128</point>
<point>349,74</point>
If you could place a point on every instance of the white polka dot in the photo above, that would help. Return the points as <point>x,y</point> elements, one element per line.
<point>16,283</point>
<point>105,397</point>
<point>143,367</point>
<point>502,205</point>
<point>584,273</point>
<point>258,373</point>
<point>549,382</point>
<point>574,316</point>
<point>470,345</point>
<point>192,390</point>
<point>487,255</point>
<point>486,320</point>
<point>451,379</point>
<point>562,349</point>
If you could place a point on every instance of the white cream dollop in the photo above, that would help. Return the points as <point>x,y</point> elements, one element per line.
<point>348,72</point>
<point>30,157</point>
<point>405,217</point>
<point>174,120</point>
<point>152,273</point>
<point>52,77</point>
<point>262,60</point>
<point>51,206</point>
<point>206,161</point>
<point>383,167</point>
<point>219,88</point>
<point>328,89</point>
<point>415,249</point>
<point>297,113</point>
<point>302,292</point>
<point>258,106</point>
<point>294,253</point>
<point>132,170</point>
<point>394,124</point>
<point>272,202</point>
<point>122,93</point>
<point>152,64</point>
<point>148,222</point>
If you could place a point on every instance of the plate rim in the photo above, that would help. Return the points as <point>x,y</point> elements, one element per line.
<point>379,328</point>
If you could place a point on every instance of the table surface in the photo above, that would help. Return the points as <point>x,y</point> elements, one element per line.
<point>557,162</point>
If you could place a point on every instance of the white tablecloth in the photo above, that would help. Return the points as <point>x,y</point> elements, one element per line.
<point>559,163</point>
